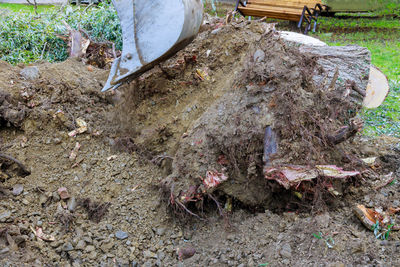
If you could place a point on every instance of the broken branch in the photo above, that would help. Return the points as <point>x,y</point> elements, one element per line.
<point>345,132</point>
<point>19,163</point>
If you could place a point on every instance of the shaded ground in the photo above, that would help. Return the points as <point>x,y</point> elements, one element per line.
<point>117,163</point>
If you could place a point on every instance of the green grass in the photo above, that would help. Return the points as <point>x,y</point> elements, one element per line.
<point>26,8</point>
<point>382,38</point>
<point>26,37</point>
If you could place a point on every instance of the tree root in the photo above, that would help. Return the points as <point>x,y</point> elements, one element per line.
<point>25,171</point>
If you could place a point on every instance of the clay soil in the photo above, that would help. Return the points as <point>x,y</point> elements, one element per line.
<point>115,175</point>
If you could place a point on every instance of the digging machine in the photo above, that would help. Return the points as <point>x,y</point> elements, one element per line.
<point>152,31</point>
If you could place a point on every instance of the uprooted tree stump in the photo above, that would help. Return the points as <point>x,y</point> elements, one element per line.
<point>278,111</point>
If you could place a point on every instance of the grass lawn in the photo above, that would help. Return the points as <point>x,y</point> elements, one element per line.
<point>382,38</point>
<point>25,8</point>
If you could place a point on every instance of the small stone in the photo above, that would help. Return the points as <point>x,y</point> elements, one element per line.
<point>215,31</point>
<point>17,189</point>
<point>148,254</point>
<point>186,253</point>
<point>4,216</point>
<point>63,193</point>
<point>109,227</point>
<point>71,205</point>
<point>30,73</point>
<point>39,223</point>
<point>81,245</point>
<point>121,235</point>
<point>231,237</point>
<point>55,197</point>
<point>107,246</point>
<point>93,255</point>
<point>67,247</point>
<point>4,250</point>
<point>160,231</point>
<point>160,255</point>
<point>90,248</point>
<point>286,251</point>
<point>20,239</point>
<point>128,243</point>
<point>259,55</point>
<point>134,264</point>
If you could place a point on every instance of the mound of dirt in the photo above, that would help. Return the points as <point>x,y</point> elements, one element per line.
<point>223,106</point>
<point>206,110</point>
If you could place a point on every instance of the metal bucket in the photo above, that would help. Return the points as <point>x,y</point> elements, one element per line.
<point>152,30</point>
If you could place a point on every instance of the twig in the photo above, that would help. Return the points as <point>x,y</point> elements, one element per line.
<point>19,163</point>
<point>218,205</point>
<point>353,85</point>
<point>34,4</point>
<point>44,47</point>
<point>188,211</point>
<point>91,4</point>
<point>386,183</point>
<point>334,79</point>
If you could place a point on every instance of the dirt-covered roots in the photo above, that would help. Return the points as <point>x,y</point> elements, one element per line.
<point>281,93</point>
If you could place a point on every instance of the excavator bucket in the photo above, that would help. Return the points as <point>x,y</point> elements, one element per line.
<point>152,31</point>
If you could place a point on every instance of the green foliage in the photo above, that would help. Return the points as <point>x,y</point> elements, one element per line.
<point>381,37</point>
<point>25,37</point>
<point>25,8</point>
<point>381,233</point>
<point>389,7</point>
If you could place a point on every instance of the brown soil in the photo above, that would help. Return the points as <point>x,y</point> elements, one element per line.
<point>129,148</point>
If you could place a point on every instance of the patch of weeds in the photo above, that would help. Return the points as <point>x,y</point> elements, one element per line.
<point>330,243</point>
<point>381,233</point>
<point>27,37</point>
<point>386,118</point>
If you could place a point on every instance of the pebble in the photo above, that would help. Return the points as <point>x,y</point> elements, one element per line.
<point>39,223</point>
<point>63,193</point>
<point>160,231</point>
<point>93,255</point>
<point>148,254</point>
<point>215,31</point>
<point>4,216</point>
<point>4,250</point>
<point>134,264</point>
<point>67,247</point>
<point>71,205</point>
<point>121,235</point>
<point>17,189</point>
<point>90,248</point>
<point>286,251</point>
<point>259,55</point>
<point>55,197</point>
<point>160,255</point>
<point>81,245</point>
<point>30,73</point>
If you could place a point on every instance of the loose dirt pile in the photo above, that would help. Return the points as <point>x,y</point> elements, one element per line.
<point>97,161</point>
